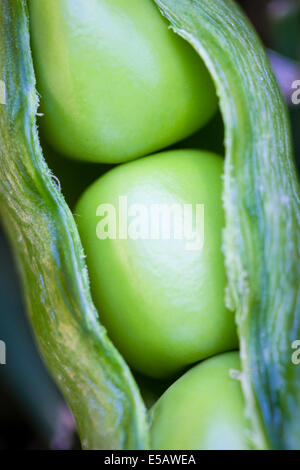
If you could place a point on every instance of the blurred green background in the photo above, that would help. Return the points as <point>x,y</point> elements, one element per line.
<point>33,414</point>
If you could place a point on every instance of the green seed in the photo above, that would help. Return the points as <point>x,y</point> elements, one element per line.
<point>162,300</point>
<point>115,82</point>
<point>204,409</point>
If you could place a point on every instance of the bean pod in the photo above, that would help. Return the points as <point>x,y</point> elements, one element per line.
<point>261,238</point>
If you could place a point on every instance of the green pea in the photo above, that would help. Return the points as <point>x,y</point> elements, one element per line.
<point>115,82</point>
<point>161,299</point>
<point>204,409</point>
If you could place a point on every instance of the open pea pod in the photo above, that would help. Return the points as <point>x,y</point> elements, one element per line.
<point>261,238</point>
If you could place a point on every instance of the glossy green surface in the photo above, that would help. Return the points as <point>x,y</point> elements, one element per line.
<point>163,304</point>
<point>115,82</point>
<point>204,409</point>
